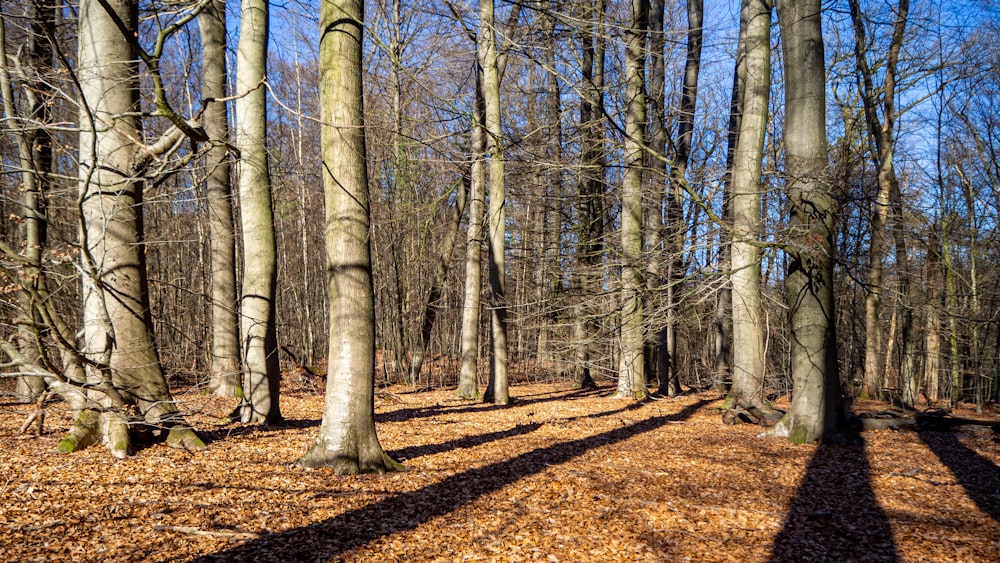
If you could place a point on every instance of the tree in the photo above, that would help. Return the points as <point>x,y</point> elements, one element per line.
<point>745,206</point>
<point>882,138</point>
<point>123,366</point>
<point>225,352</point>
<point>347,440</point>
<point>261,381</point>
<point>816,412</point>
<point>632,377</point>
<point>496,389</point>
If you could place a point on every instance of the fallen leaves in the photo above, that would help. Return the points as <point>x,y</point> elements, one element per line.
<point>559,476</point>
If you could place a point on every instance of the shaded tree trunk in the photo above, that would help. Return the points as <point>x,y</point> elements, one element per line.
<point>497,388</point>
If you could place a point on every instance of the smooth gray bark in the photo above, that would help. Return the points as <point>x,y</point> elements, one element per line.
<point>347,440</point>
<point>817,409</point>
<point>745,206</point>
<point>225,347</point>
<point>262,376</point>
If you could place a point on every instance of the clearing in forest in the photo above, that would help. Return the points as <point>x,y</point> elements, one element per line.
<point>561,475</point>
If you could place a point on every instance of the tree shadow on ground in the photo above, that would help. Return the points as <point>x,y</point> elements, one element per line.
<point>835,515</point>
<point>978,475</point>
<point>327,539</point>
<point>462,406</point>
<point>411,452</point>
<point>235,430</point>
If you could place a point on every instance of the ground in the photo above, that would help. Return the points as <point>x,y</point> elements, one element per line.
<point>560,475</point>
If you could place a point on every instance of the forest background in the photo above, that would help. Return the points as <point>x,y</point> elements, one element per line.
<point>611,221</point>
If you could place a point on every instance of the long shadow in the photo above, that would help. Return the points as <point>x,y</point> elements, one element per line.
<point>978,475</point>
<point>210,436</point>
<point>465,407</point>
<point>466,442</point>
<point>835,515</point>
<point>327,539</point>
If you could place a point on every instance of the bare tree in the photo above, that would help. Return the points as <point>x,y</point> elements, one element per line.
<point>225,352</point>
<point>261,381</point>
<point>347,440</point>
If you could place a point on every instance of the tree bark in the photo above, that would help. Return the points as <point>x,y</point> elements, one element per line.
<point>745,205</point>
<point>117,325</point>
<point>497,388</point>
<point>817,411</point>
<point>262,376</point>
<point>347,440</point>
<point>631,376</point>
<point>225,347</point>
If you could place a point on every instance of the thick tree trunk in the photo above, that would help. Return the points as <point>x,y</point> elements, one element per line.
<point>225,347</point>
<point>631,376</point>
<point>347,440</point>
<point>745,205</point>
<point>497,388</point>
<point>262,376</point>
<point>117,325</point>
<point>817,411</point>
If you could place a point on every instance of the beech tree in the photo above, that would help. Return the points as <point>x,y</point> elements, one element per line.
<point>262,376</point>
<point>817,410</point>
<point>225,352</point>
<point>632,375</point>
<point>347,440</point>
<point>123,367</point>
<point>754,75</point>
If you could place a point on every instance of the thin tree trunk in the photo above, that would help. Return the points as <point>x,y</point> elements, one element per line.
<point>225,354</point>
<point>745,205</point>
<point>261,381</point>
<point>468,386</point>
<point>591,189</point>
<point>932,322</point>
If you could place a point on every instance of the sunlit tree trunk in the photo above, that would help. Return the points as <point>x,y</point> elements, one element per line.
<point>347,440</point>
<point>225,351</point>
<point>932,320</point>
<point>497,387</point>
<point>745,205</point>
<point>262,375</point>
<point>117,325</point>
<point>631,376</point>
<point>882,134</point>
<point>468,385</point>
<point>816,411</point>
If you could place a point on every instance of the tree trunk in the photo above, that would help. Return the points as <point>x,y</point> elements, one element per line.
<point>497,388</point>
<point>225,351</point>
<point>932,321</point>
<point>468,385</point>
<point>34,147</point>
<point>631,376</point>
<point>745,205</point>
<point>816,412</point>
<point>347,440</point>
<point>117,325</point>
<point>262,376</point>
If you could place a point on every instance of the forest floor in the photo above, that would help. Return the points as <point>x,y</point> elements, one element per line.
<point>561,475</point>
